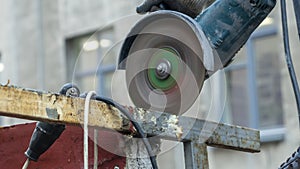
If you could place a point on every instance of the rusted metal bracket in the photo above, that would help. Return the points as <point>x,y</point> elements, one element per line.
<point>196,134</point>
<point>195,155</point>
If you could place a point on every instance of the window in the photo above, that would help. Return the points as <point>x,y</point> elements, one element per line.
<point>89,64</point>
<point>254,84</point>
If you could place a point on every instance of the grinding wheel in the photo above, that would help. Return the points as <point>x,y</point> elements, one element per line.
<point>164,68</point>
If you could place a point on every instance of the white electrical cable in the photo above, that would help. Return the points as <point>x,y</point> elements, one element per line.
<point>25,166</point>
<point>85,128</point>
<point>95,149</point>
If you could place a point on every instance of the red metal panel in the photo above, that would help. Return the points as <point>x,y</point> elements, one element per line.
<point>65,153</point>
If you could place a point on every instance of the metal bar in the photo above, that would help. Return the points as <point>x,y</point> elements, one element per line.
<point>252,90</point>
<point>180,128</point>
<point>195,155</point>
<point>51,107</point>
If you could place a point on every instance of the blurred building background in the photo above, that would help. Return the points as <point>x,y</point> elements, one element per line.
<point>44,44</point>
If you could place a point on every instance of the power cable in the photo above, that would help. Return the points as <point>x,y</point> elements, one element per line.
<point>26,164</point>
<point>292,162</point>
<point>289,60</point>
<point>85,128</point>
<point>136,125</point>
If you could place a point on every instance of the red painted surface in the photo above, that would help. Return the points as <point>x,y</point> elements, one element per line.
<point>65,153</point>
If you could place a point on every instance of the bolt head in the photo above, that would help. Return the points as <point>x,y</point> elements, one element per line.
<point>163,69</point>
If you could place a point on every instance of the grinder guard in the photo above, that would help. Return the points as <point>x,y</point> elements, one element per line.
<point>204,44</point>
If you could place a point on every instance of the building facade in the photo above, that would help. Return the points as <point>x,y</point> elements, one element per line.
<point>44,44</point>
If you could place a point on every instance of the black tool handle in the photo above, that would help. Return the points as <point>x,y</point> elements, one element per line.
<point>45,134</point>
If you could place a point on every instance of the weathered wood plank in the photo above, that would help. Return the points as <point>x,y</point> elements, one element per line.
<point>42,106</point>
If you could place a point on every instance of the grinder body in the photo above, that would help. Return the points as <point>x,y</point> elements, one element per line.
<point>202,45</point>
<point>228,24</point>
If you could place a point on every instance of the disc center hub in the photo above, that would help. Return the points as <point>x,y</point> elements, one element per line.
<point>163,69</point>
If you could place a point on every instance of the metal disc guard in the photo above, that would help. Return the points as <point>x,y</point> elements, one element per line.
<point>160,38</point>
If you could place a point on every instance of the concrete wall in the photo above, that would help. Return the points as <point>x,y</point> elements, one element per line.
<point>33,36</point>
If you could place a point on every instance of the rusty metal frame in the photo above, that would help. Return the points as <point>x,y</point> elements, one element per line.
<point>195,134</point>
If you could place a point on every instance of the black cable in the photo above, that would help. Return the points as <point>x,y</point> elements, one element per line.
<point>292,162</point>
<point>136,126</point>
<point>287,51</point>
